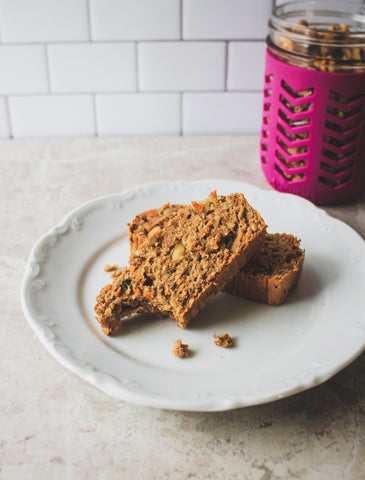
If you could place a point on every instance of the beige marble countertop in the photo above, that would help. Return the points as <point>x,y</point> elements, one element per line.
<point>55,426</point>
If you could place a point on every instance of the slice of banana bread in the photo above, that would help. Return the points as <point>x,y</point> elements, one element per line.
<point>183,261</point>
<point>269,275</point>
<point>272,272</point>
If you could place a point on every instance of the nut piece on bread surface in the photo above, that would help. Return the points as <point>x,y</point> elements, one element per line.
<point>272,272</point>
<point>193,251</point>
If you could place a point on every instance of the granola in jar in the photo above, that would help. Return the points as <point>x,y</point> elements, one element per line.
<point>324,35</point>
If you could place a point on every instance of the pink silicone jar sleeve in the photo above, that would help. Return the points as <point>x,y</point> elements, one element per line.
<point>313,132</point>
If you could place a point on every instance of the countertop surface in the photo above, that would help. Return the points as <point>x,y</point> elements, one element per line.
<point>55,426</point>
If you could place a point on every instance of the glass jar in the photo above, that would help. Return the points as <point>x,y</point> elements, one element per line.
<point>313,138</point>
<point>328,36</point>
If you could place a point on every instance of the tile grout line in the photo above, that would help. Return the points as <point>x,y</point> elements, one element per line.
<point>226,67</point>
<point>130,92</point>
<point>136,55</point>
<point>181,113</point>
<point>95,115</point>
<point>88,16</point>
<point>181,20</point>
<point>48,70</point>
<point>7,111</point>
<point>132,40</point>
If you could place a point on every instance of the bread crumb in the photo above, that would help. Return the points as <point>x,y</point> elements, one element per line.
<point>223,340</point>
<point>111,268</point>
<point>179,349</point>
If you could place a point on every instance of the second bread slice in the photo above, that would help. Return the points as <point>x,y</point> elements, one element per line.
<point>272,272</point>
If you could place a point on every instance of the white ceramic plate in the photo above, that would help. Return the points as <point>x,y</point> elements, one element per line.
<point>278,351</point>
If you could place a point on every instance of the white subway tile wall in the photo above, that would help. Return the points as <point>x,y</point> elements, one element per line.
<point>92,67</point>
<point>135,19</point>
<point>23,69</point>
<point>31,21</point>
<point>225,19</point>
<point>222,113</point>
<point>138,114</point>
<point>131,67</point>
<point>245,65</point>
<point>181,66</point>
<point>52,116</point>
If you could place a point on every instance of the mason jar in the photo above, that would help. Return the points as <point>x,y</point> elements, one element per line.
<point>313,128</point>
